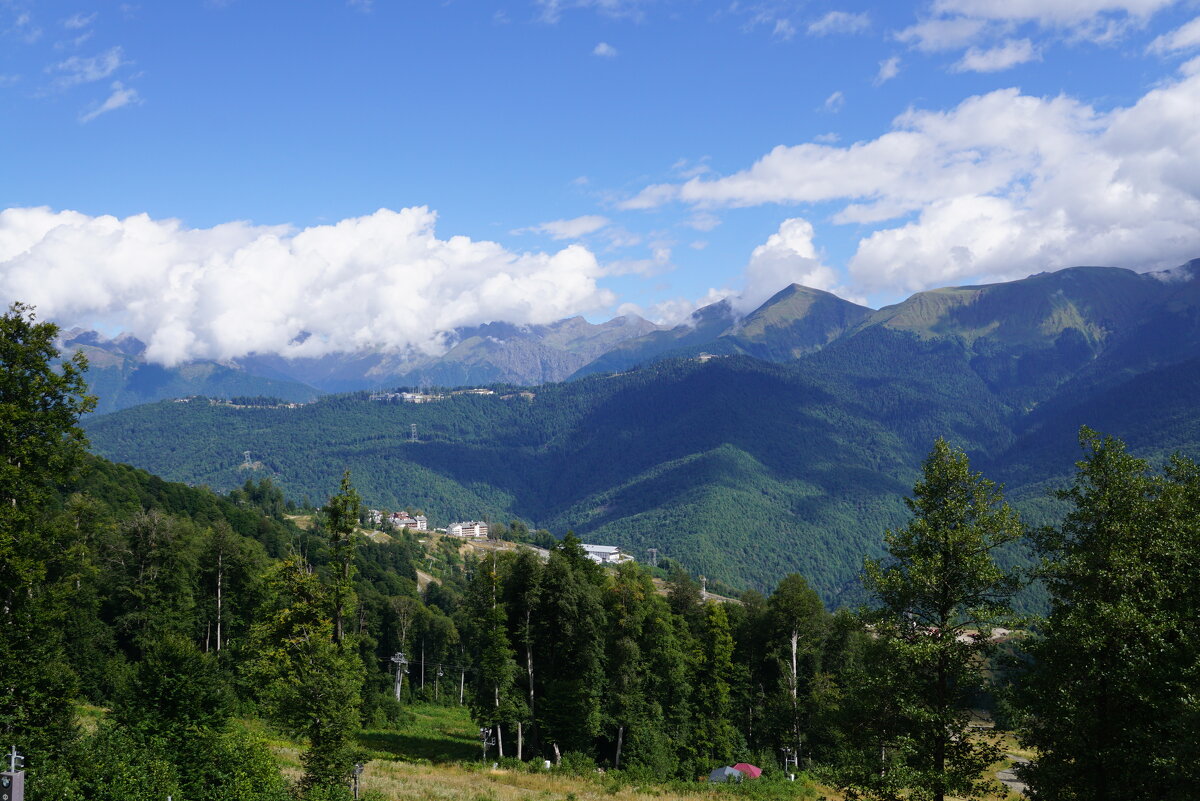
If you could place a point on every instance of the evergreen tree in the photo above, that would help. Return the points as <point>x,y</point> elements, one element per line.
<point>40,445</point>
<point>341,514</point>
<point>522,591</point>
<point>310,684</point>
<point>939,596</point>
<point>496,701</point>
<point>1109,699</point>
<point>570,649</point>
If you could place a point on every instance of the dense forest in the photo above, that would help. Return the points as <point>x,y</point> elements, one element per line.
<point>168,616</point>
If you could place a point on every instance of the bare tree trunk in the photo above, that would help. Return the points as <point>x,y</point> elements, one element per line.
<point>220,581</point>
<point>557,755</point>
<point>620,742</point>
<point>520,742</point>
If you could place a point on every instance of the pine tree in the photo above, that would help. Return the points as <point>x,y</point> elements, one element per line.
<point>310,684</point>
<point>496,700</point>
<point>939,595</point>
<point>570,650</point>
<point>342,519</point>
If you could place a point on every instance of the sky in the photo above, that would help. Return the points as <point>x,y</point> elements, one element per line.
<point>220,177</point>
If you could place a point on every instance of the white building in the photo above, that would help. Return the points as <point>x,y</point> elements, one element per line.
<point>473,528</point>
<point>605,554</point>
<point>404,520</point>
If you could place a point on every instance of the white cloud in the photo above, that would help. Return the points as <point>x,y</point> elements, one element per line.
<point>935,35</point>
<point>675,311</point>
<point>552,10</point>
<point>78,70</point>
<point>787,257</point>
<point>604,50</point>
<point>958,24</point>
<point>121,96</point>
<point>1185,37</point>
<point>568,229</point>
<point>703,221</point>
<point>80,20</point>
<point>834,102</point>
<point>382,280</point>
<point>1002,185</point>
<point>840,22</point>
<point>784,29</point>
<point>827,138</point>
<point>1050,12</point>
<point>888,69</point>
<point>1004,56</point>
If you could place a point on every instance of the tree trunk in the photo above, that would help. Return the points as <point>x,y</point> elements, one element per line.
<point>620,742</point>
<point>220,581</point>
<point>499,741</point>
<point>520,743</point>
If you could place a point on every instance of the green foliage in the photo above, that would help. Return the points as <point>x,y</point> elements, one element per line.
<point>40,442</point>
<point>1109,699</point>
<point>939,597</point>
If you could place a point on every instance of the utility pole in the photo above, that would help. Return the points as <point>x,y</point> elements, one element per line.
<point>401,662</point>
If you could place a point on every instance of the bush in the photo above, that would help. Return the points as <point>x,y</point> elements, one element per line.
<point>578,763</point>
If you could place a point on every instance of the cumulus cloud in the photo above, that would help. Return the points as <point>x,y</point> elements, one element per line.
<point>604,50</point>
<point>383,280</point>
<point>568,229</point>
<point>787,257</point>
<point>840,22</point>
<point>1185,37</point>
<point>1001,185</point>
<point>996,59</point>
<point>121,96</point>
<point>888,69</point>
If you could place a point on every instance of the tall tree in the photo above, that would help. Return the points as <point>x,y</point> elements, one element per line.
<point>40,445</point>
<point>716,737</point>
<point>570,638</point>
<point>798,624</point>
<point>341,516</point>
<point>1109,699</point>
<point>310,684</point>
<point>939,596</point>
<point>496,699</point>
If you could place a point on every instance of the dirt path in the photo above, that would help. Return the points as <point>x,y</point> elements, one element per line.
<point>1009,778</point>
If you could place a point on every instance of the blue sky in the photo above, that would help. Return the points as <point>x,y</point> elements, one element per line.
<point>172,167</point>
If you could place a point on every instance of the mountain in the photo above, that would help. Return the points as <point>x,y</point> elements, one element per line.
<point>485,354</point>
<point>795,321</point>
<point>491,353</point>
<point>742,468</point>
<point>120,377</point>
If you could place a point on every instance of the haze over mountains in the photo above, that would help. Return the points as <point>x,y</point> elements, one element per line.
<point>791,449</point>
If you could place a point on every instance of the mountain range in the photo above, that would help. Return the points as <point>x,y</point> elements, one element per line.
<point>748,448</point>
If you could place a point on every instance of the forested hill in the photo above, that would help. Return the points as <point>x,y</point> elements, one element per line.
<point>744,469</point>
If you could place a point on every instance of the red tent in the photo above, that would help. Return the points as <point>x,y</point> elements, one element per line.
<point>750,771</point>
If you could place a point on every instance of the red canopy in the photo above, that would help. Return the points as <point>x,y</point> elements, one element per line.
<point>749,770</point>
